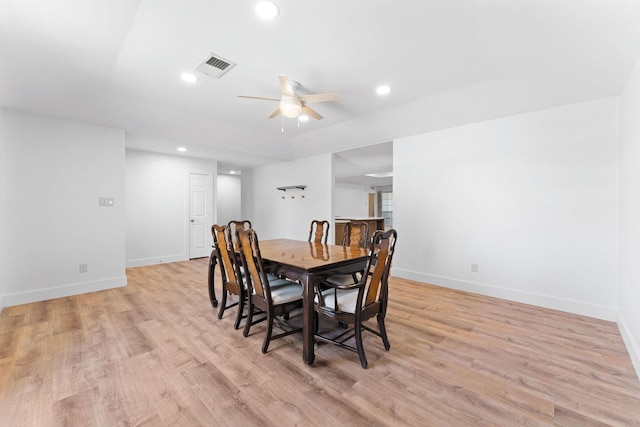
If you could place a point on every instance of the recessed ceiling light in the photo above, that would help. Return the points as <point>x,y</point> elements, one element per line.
<point>303,118</point>
<point>189,78</point>
<point>380,175</point>
<point>267,10</point>
<point>182,149</point>
<point>383,90</point>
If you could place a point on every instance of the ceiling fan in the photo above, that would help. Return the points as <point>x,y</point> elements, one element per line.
<point>292,104</point>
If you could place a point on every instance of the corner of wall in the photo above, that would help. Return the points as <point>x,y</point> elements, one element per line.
<point>246,194</point>
<point>628,216</point>
<point>632,345</point>
<point>2,204</point>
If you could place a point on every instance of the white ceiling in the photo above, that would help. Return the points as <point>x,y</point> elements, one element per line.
<point>448,62</point>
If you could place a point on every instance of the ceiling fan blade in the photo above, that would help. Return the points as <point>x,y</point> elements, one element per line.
<point>274,113</point>
<point>285,86</point>
<point>311,112</point>
<point>319,97</point>
<point>265,98</point>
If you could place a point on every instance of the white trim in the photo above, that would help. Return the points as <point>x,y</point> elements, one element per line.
<point>63,291</point>
<point>141,262</point>
<point>546,301</point>
<point>632,345</point>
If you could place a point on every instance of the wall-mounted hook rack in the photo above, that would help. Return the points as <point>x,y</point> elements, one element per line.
<point>292,187</point>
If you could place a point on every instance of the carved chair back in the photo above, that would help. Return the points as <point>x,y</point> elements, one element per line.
<point>319,231</point>
<point>356,233</point>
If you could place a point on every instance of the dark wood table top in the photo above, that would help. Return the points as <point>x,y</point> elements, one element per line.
<point>311,257</point>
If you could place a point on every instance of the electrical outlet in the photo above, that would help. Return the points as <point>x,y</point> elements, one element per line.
<point>84,268</point>
<point>474,268</point>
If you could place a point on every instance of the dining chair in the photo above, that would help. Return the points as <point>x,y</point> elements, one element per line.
<point>232,281</point>
<point>356,303</point>
<point>355,234</point>
<point>318,231</point>
<point>235,225</point>
<point>244,224</point>
<point>213,261</point>
<point>271,296</point>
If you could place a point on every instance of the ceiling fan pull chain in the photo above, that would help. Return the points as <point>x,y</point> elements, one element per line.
<point>282,123</point>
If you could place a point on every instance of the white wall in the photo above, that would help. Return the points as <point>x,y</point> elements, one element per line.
<point>54,171</point>
<point>2,157</point>
<point>351,200</point>
<point>157,199</point>
<point>629,289</point>
<point>229,198</point>
<point>532,199</point>
<point>247,197</point>
<point>278,214</point>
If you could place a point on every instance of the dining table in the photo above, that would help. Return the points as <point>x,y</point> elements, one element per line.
<point>306,262</point>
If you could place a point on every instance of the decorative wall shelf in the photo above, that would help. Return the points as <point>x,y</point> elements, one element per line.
<point>292,187</point>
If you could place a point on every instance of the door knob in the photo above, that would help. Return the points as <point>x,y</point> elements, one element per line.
<point>193,220</point>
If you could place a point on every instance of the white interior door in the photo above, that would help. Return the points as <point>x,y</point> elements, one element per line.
<point>200,217</point>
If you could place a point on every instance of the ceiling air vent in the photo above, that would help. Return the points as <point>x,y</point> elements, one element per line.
<point>215,66</point>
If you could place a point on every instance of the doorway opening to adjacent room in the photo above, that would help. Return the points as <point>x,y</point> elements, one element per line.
<point>363,184</point>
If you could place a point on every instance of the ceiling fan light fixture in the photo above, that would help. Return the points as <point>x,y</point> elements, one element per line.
<point>267,10</point>
<point>303,118</point>
<point>290,107</point>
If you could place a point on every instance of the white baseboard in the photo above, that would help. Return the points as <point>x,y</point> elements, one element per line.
<point>63,291</point>
<point>632,345</point>
<point>141,262</point>
<point>1,304</point>
<point>546,301</point>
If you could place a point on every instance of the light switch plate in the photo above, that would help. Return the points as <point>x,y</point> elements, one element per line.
<point>105,201</point>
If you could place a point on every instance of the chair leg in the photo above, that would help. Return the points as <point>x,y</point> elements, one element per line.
<point>359,345</point>
<point>240,311</point>
<point>210,279</point>
<point>247,325</point>
<point>223,302</point>
<point>267,339</point>
<point>383,332</point>
<point>316,322</point>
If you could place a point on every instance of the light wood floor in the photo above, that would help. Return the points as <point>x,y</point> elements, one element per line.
<point>155,354</point>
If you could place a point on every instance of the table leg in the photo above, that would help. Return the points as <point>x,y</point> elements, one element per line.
<point>212,268</point>
<point>308,340</point>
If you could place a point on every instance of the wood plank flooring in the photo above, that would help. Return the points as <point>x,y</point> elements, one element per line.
<point>155,354</point>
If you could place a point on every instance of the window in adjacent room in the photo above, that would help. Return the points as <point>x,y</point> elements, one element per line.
<point>386,208</point>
